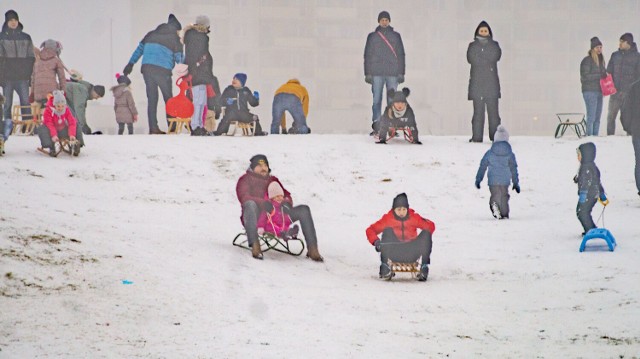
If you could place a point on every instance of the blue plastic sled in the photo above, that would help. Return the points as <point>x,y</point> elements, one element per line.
<point>601,233</point>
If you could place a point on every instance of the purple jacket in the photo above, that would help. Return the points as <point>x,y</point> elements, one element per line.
<point>275,222</point>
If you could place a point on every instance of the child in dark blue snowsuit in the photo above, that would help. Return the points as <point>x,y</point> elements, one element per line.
<point>503,169</point>
<point>589,186</point>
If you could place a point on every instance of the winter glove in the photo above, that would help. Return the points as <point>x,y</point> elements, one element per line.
<point>400,79</point>
<point>377,244</point>
<point>603,199</point>
<point>230,101</point>
<point>268,207</point>
<point>286,207</point>
<point>575,179</point>
<point>516,187</point>
<point>368,79</point>
<point>256,94</point>
<point>582,196</point>
<point>127,69</point>
<point>477,185</point>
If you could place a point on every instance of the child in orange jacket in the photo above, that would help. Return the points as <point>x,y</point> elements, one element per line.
<point>400,240</point>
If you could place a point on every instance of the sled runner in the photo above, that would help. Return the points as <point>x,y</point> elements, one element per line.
<point>398,267</point>
<point>268,241</point>
<point>395,132</point>
<point>64,145</point>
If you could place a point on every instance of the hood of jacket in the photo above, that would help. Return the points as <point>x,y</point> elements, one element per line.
<point>47,54</point>
<point>588,152</point>
<point>501,148</point>
<point>118,90</point>
<point>483,24</point>
<point>5,27</point>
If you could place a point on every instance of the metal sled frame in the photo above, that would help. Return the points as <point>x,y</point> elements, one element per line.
<point>269,241</point>
<point>574,120</point>
<point>393,131</point>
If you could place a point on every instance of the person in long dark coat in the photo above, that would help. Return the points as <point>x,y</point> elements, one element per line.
<point>484,84</point>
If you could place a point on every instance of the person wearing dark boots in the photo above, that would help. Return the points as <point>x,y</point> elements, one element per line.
<point>400,240</point>
<point>251,189</point>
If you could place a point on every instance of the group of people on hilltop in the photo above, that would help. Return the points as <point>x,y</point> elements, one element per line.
<point>34,74</point>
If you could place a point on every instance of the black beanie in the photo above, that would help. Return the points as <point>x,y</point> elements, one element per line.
<point>384,15</point>
<point>11,14</point>
<point>595,42</point>
<point>401,200</point>
<point>174,22</point>
<point>257,159</point>
<point>627,37</point>
<point>99,89</point>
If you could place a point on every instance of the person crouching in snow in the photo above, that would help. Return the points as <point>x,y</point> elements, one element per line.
<point>400,240</point>
<point>58,122</point>
<point>398,114</point>
<point>503,169</point>
<point>276,222</point>
<point>124,105</point>
<point>589,186</point>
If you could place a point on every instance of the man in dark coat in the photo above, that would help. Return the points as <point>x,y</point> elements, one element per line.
<point>484,84</point>
<point>251,190</point>
<point>200,62</point>
<point>624,67</point>
<point>630,118</point>
<point>160,50</point>
<point>383,62</point>
<point>16,65</point>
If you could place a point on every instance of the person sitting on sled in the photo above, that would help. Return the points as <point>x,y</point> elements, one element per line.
<point>400,240</point>
<point>58,123</point>
<point>398,114</point>
<point>590,188</point>
<point>276,222</point>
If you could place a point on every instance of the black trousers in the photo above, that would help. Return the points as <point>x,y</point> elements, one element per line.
<point>583,211</point>
<point>242,116</point>
<point>477,122</point>
<point>45,136</point>
<point>405,252</point>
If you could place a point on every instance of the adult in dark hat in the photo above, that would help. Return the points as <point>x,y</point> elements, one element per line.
<point>251,189</point>
<point>592,69</point>
<point>484,84</point>
<point>160,50</point>
<point>398,115</point>
<point>624,67</point>
<point>16,66</point>
<point>400,241</point>
<point>384,62</point>
<point>78,93</point>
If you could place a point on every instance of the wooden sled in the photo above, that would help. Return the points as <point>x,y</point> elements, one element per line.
<point>268,241</point>
<point>397,267</point>
<point>64,145</point>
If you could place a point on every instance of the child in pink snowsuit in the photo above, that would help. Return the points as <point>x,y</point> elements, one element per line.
<point>276,222</point>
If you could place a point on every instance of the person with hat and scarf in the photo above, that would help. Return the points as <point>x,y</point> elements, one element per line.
<point>160,50</point>
<point>236,99</point>
<point>484,84</point>
<point>384,62</point>
<point>58,122</point>
<point>16,66</point>
<point>624,67</point>
<point>251,189</point>
<point>592,69</point>
<point>398,114</point>
<point>400,241</point>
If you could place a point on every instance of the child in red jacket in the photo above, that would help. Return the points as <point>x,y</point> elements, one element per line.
<point>400,240</point>
<point>58,122</point>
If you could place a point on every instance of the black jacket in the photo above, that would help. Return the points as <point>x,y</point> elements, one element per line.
<point>483,80</point>
<point>379,60</point>
<point>16,54</point>
<point>589,175</point>
<point>630,114</point>
<point>241,99</point>
<point>624,67</point>
<point>198,57</point>
<point>590,74</point>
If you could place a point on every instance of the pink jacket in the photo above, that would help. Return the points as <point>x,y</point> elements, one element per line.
<point>275,222</point>
<point>55,122</point>
<point>45,71</point>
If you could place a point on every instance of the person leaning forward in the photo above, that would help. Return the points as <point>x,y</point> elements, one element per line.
<point>251,189</point>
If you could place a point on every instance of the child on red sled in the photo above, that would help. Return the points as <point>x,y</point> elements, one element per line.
<point>58,123</point>
<point>400,240</point>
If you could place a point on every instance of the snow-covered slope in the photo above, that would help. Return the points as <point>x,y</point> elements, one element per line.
<point>161,212</point>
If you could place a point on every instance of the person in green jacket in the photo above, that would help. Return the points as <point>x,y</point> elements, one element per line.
<point>79,92</point>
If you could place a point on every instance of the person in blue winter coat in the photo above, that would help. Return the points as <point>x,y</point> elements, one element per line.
<point>503,169</point>
<point>590,188</point>
<point>160,50</point>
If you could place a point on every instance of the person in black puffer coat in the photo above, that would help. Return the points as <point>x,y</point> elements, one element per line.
<point>236,99</point>
<point>398,114</point>
<point>590,188</point>
<point>591,71</point>
<point>484,84</point>
<point>630,118</point>
<point>624,67</point>
<point>200,62</point>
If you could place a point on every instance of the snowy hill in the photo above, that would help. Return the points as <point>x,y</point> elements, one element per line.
<point>160,212</point>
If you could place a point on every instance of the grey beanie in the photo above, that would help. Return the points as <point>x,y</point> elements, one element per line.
<point>58,97</point>
<point>501,134</point>
<point>203,20</point>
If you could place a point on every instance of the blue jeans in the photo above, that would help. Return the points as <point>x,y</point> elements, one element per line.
<point>152,81</point>
<point>288,102</point>
<point>199,102</point>
<point>593,101</point>
<point>22,88</point>
<point>635,139</point>
<point>376,88</point>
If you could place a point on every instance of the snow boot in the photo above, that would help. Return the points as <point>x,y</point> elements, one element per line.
<point>424,273</point>
<point>385,271</point>
<point>256,251</point>
<point>495,210</point>
<point>52,151</point>
<point>314,254</point>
